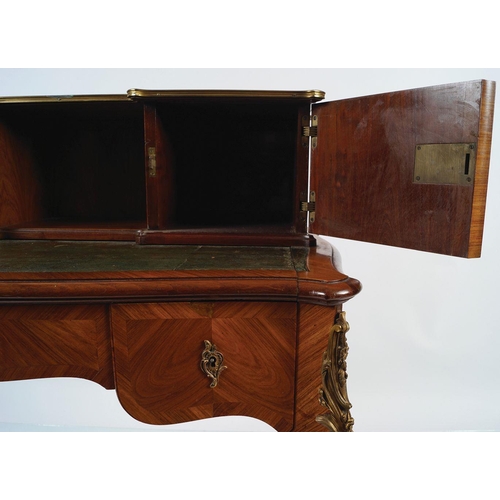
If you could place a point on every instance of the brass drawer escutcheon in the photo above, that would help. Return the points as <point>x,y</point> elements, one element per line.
<point>212,362</point>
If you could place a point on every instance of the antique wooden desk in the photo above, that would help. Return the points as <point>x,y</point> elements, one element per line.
<point>161,243</point>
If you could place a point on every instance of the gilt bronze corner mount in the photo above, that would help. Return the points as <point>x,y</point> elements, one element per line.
<point>333,391</point>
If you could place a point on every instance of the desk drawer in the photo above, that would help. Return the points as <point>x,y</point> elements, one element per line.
<point>159,348</point>
<point>40,341</point>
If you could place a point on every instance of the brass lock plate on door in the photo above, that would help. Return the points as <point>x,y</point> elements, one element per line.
<point>445,164</point>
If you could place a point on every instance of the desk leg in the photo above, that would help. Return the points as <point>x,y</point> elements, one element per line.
<point>316,368</point>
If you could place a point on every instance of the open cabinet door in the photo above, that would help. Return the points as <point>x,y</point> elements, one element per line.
<point>406,169</point>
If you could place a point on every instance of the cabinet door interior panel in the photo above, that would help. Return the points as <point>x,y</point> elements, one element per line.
<point>364,168</point>
<point>158,350</point>
<point>40,341</point>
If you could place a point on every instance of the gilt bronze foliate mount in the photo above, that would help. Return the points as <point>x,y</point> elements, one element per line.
<point>333,391</point>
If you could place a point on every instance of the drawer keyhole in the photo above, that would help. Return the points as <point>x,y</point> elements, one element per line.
<point>212,363</point>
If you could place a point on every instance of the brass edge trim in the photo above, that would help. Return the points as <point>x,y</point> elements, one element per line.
<point>314,95</point>
<point>64,98</point>
<point>132,94</point>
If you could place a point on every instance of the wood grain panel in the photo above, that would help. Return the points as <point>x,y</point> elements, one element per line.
<point>150,289</point>
<point>74,231</point>
<point>322,282</point>
<point>362,169</point>
<point>55,341</point>
<point>20,193</point>
<point>315,323</point>
<point>258,235</point>
<point>258,342</point>
<point>160,186</point>
<point>158,352</point>
<point>482,168</point>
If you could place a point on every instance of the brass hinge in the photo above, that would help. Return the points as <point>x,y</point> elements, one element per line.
<point>152,162</point>
<point>309,206</point>
<point>310,130</point>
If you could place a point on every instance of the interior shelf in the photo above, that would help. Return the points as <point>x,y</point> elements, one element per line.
<point>71,229</point>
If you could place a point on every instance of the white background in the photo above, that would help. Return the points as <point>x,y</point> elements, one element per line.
<point>424,343</point>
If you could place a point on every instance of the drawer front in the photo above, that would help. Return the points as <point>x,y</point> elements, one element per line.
<point>159,349</point>
<point>40,341</point>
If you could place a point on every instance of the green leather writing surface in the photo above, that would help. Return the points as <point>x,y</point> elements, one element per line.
<point>69,256</point>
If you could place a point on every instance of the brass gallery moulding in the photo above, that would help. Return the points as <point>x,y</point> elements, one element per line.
<point>313,95</point>
<point>142,94</point>
<point>64,98</point>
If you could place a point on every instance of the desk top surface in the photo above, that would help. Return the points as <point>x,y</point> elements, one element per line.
<point>72,256</point>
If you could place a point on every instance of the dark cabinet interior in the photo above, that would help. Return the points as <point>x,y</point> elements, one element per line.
<point>112,168</point>
<point>231,163</point>
<point>72,167</point>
